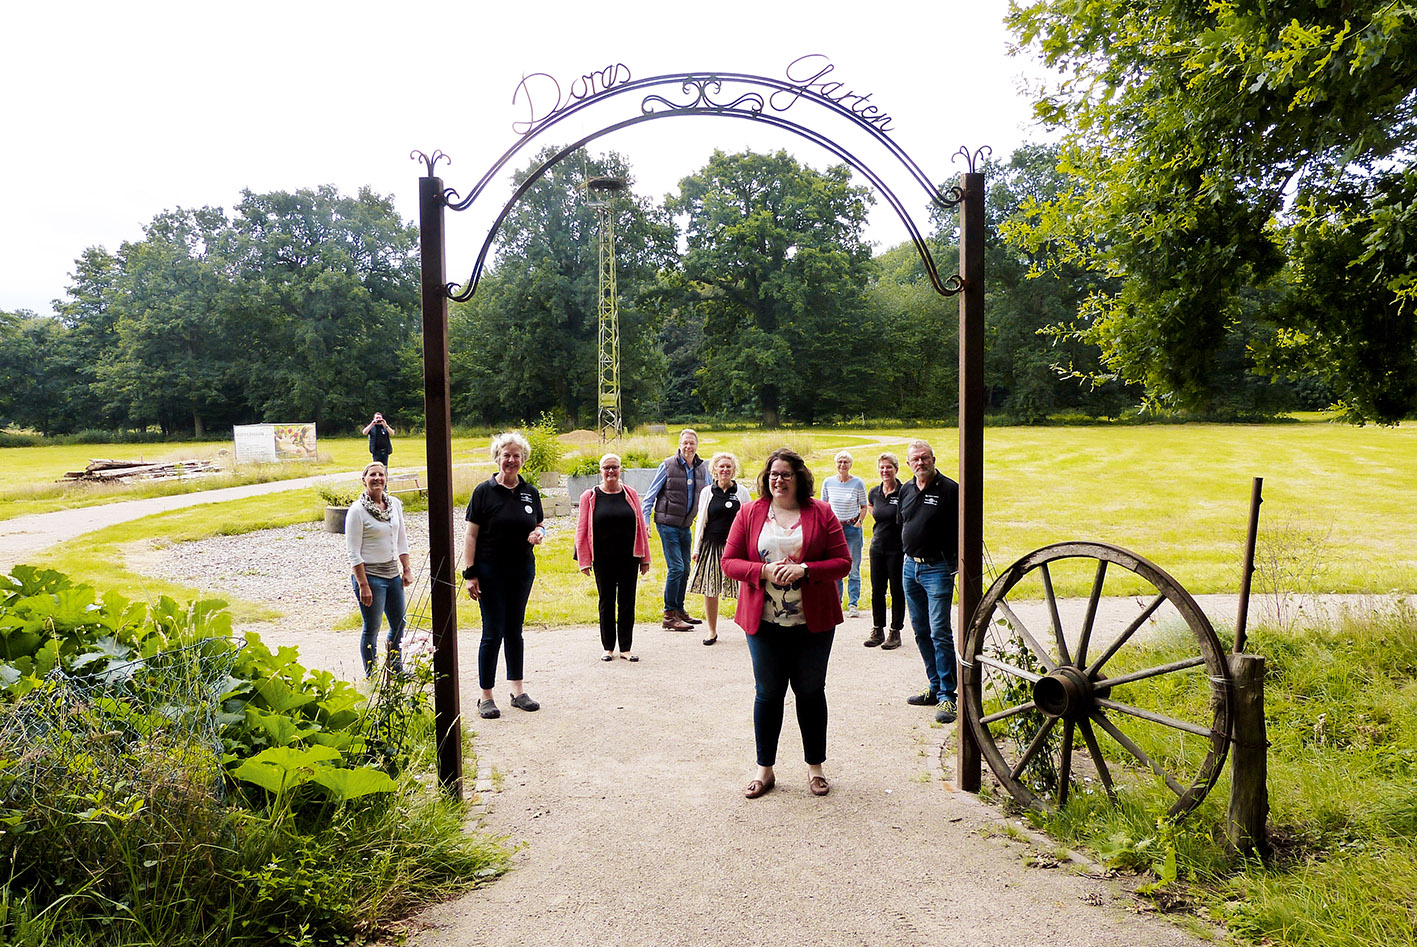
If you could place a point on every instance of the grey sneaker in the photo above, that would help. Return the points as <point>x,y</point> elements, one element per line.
<point>854,613</point>
<point>946,712</point>
<point>524,702</point>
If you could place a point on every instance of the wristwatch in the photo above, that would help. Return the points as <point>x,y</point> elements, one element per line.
<point>470,572</point>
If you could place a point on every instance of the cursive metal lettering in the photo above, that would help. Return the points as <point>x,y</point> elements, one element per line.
<point>809,74</point>
<point>540,88</point>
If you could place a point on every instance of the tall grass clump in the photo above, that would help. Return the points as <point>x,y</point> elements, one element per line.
<point>1341,714</point>
<point>166,784</point>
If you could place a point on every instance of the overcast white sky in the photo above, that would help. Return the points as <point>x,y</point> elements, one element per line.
<point>114,112</point>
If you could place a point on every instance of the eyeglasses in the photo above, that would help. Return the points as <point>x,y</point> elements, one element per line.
<point>611,467</point>
<point>779,475</point>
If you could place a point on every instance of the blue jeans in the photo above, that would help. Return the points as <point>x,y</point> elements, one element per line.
<point>388,600</point>
<point>853,581</point>
<point>929,587</point>
<point>784,656</point>
<point>505,587</point>
<point>677,542</point>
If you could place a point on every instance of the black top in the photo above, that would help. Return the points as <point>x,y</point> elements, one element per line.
<point>612,527</point>
<point>379,441</point>
<point>885,534</point>
<point>505,517</point>
<point>930,519</point>
<point>722,508</point>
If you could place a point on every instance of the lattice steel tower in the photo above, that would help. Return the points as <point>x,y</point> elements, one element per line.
<point>609,409</point>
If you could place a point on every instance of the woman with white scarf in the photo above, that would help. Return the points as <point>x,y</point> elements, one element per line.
<point>377,543</point>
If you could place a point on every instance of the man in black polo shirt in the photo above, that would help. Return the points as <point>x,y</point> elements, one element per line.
<point>929,531</point>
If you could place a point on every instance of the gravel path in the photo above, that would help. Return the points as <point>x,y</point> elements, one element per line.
<point>623,795</point>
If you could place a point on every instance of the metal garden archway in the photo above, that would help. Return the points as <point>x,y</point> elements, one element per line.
<point>808,84</point>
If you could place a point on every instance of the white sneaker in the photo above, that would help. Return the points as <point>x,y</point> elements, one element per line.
<point>854,614</point>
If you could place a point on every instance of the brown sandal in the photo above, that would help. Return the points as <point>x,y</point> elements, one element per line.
<point>758,788</point>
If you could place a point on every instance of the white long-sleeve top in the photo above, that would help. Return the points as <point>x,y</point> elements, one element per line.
<point>370,542</point>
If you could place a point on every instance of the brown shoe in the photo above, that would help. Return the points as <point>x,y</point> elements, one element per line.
<point>672,622</point>
<point>819,785</point>
<point>759,788</point>
<point>686,617</point>
<point>892,640</point>
<point>877,636</point>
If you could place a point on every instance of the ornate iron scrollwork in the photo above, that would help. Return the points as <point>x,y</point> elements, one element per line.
<point>703,98</point>
<point>973,160</point>
<point>429,161</point>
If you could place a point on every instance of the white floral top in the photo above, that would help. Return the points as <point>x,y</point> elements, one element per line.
<point>781,605</point>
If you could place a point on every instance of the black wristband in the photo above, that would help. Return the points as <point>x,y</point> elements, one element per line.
<point>470,572</point>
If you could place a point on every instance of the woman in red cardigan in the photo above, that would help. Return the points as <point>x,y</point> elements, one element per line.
<point>788,551</point>
<point>613,542</point>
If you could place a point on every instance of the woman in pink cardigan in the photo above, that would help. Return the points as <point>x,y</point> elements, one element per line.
<point>612,542</point>
<point>787,550</point>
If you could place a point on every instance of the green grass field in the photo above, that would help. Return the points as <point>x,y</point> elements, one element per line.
<point>1177,494</point>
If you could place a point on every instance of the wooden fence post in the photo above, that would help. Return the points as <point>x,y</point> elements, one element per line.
<point>1249,772</point>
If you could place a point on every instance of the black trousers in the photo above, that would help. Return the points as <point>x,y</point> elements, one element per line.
<point>616,579</point>
<point>886,569</point>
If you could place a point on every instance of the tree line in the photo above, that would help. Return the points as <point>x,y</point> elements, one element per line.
<point>750,293</point>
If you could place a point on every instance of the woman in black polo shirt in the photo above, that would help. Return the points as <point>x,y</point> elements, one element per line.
<point>887,556</point>
<point>503,524</point>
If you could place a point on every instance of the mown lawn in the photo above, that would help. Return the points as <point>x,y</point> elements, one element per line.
<point>1177,494</point>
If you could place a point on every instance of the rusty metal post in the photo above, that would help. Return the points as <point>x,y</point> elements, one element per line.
<point>1243,616</point>
<point>438,425</point>
<point>971,446</point>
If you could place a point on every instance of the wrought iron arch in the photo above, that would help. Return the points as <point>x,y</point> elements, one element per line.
<point>806,81</point>
<point>700,93</point>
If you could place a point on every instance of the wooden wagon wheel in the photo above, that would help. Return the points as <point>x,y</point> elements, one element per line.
<point>1028,696</point>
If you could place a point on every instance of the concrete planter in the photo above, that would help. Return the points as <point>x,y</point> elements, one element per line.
<point>334,518</point>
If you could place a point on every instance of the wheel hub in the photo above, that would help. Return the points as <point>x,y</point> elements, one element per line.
<point>1065,693</point>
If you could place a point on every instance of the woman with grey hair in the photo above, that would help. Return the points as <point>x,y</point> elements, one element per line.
<point>613,542</point>
<point>503,527</point>
<point>718,505</point>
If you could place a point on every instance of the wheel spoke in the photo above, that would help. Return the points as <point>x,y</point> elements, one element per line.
<point>1155,717</point>
<point>1039,739</point>
<point>1053,614</point>
<point>1095,752</point>
<point>1108,682</point>
<point>1138,752</point>
<point>1065,766</point>
<point>1122,638</point>
<point>1017,624</point>
<point>1009,669</point>
<point>1080,659</point>
<point>1012,711</point>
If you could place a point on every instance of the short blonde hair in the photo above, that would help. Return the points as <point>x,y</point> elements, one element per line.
<point>724,455</point>
<point>373,464</point>
<point>889,458</point>
<point>844,453</point>
<point>500,442</point>
<point>689,430</point>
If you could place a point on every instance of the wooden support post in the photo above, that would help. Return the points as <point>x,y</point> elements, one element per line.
<point>443,583</point>
<point>1249,772</point>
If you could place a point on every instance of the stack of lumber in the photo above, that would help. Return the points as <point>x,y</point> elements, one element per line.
<point>108,471</point>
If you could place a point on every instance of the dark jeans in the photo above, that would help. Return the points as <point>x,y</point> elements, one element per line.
<point>885,570</point>
<point>388,600</point>
<point>505,587</point>
<point>380,457</point>
<point>615,581</point>
<point>929,587</point>
<point>793,656</point>
<point>678,542</point>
